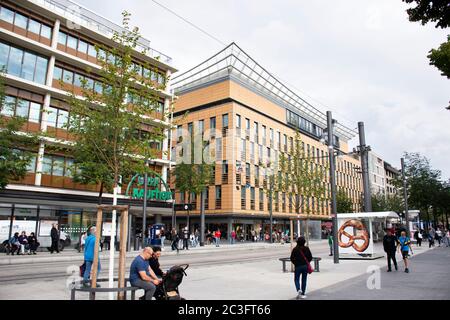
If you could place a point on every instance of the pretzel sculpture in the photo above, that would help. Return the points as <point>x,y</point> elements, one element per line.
<point>362,235</point>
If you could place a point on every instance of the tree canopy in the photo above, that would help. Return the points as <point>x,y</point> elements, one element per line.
<point>430,11</point>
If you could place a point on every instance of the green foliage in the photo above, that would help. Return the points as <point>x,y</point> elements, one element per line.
<point>440,58</point>
<point>343,202</point>
<point>113,138</point>
<point>381,202</point>
<point>15,147</point>
<point>430,11</point>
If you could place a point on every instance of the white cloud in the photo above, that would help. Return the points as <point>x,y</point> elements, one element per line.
<point>363,59</point>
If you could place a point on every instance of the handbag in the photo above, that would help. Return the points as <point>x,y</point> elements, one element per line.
<point>308,265</point>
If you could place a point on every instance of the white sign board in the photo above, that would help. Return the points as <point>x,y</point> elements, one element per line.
<point>355,236</point>
<point>45,227</point>
<point>18,226</point>
<point>106,229</point>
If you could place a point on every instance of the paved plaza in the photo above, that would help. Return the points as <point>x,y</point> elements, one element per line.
<point>248,271</point>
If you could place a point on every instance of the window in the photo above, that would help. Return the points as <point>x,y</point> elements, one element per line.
<point>78,80</point>
<point>58,166</point>
<point>225,121</point>
<point>89,83</point>
<point>224,167</point>
<point>63,116</point>
<point>218,192</point>
<point>57,73</point>
<point>190,129</point>
<point>20,21</point>
<point>98,87</point>
<point>41,70</point>
<point>91,51</point>
<point>31,167</point>
<point>8,106</point>
<point>82,46</point>
<point>47,165</point>
<point>46,31</point>
<point>72,42</point>
<point>7,15</point>
<point>62,38</point>
<point>212,123</point>
<point>22,108</point>
<point>34,26</point>
<point>15,61</point>
<point>35,112</point>
<point>68,76</point>
<point>238,121</point>
<point>4,53</point>
<point>28,64</point>
<point>201,126</point>
<point>247,124</point>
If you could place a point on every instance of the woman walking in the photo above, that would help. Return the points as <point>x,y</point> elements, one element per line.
<point>301,257</point>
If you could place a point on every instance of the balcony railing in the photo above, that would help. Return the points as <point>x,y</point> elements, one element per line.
<point>224,178</point>
<point>261,206</point>
<point>243,204</point>
<point>252,204</point>
<point>218,203</point>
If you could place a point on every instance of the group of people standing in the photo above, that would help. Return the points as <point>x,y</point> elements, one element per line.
<point>440,235</point>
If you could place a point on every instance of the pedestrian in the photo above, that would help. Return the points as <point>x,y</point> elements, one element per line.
<point>197,236</point>
<point>175,239</point>
<point>154,262</point>
<point>54,234</point>
<point>301,257</point>
<point>217,236</point>
<point>23,241</point>
<point>33,243</point>
<point>192,240</point>
<point>163,237</point>
<point>253,233</point>
<point>142,275</point>
<point>390,247</point>
<point>431,237</point>
<point>82,241</point>
<point>418,236</point>
<point>439,235</point>
<point>233,237</point>
<point>14,244</point>
<point>89,251</point>
<point>330,242</point>
<point>185,239</point>
<point>404,245</point>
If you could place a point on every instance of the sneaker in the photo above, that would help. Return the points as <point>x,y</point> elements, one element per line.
<point>389,270</point>
<point>303,296</point>
<point>407,270</point>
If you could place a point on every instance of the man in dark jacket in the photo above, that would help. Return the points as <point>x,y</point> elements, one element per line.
<point>54,234</point>
<point>185,238</point>
<point>390,245</point>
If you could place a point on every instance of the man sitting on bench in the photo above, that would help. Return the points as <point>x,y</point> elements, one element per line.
<point>142,276</point>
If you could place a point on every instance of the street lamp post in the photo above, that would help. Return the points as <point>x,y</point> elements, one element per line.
<point>330,122</point>
<point>405,195</point>
<point>144,207</point>
<point>365,167</point>
<point>270,209</point>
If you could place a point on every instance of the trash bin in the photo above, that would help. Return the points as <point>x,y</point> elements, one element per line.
<point>155,234</point>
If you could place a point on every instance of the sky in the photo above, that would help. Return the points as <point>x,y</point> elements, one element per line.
<point>361,59</point>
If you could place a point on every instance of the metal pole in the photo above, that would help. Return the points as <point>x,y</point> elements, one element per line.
<point>365,168</point>
<point>173,214</point>
<point>333,187</point>
<point>144,210</point>
<point>405,195</point>
<point>271,209</point>
<point>11,220</point>
<point>202,218</point>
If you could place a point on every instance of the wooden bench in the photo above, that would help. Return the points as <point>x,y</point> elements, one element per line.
<point>315,260</point>
<point>92,291</point>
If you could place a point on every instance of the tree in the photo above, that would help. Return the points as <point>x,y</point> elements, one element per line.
<point>15,146</point>
<point>344,203</point>
<point>301,178</point>
<point>440,58</point>
<point>430,11</point>
<point>112,123</point>
<point>388,202</point>
<point>434,11</point>
<point>423,183</point>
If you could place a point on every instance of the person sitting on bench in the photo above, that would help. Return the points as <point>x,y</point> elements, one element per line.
<point>142,276</point>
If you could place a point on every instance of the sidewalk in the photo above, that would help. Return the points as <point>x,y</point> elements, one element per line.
<point>72,255</point>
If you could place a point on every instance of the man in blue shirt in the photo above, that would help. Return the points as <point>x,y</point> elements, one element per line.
<point>142,276</point>
<point>404,244</point>
<point>89,248</point>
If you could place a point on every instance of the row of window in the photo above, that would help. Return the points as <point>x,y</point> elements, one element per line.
<point>84,47</point>
<point>218,195</point>
<point>23,64</point>
<point>76,79</point>
<point>21,108</point>
<point>24,22</point>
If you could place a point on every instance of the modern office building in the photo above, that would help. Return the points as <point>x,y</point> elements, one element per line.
<point>42,42</point>
<point>249,118</point>
<point>377,177</point>
<point>391,173</point>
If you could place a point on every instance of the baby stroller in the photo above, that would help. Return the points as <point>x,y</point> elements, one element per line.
<point>168,288</point>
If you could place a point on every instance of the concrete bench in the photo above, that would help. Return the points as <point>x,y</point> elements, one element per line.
<point>92,291</point>
<point>315,260</point>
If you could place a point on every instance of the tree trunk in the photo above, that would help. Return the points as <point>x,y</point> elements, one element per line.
<point>100,194</point>
<point>307,229</point>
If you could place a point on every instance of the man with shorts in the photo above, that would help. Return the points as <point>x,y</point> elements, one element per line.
<point>404,245</point>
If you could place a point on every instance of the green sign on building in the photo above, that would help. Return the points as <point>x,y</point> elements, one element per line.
<point>135,188</point>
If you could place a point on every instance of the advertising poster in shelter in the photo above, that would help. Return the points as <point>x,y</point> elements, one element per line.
<point>45,227</point>
<point>354,236</point>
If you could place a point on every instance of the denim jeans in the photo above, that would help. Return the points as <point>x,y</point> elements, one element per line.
<point>87,271</point>
<point>300,270</point>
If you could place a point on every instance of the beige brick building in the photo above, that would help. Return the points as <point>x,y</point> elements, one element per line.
<point>249,118</point>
